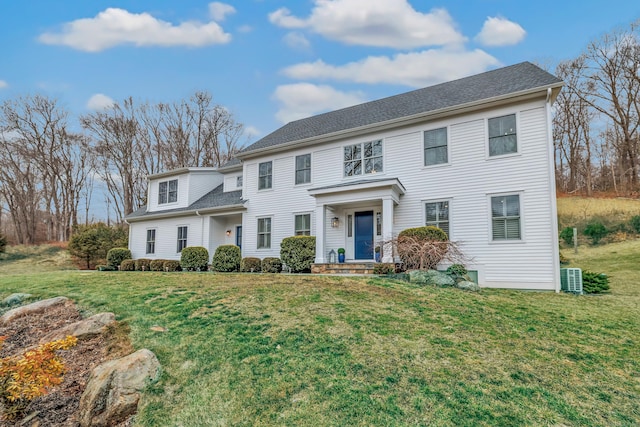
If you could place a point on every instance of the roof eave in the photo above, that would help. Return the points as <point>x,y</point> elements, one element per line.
<point>160,215</point>
<point>180,171</point>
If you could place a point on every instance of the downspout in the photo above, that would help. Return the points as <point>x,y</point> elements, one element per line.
<point>552,196</point>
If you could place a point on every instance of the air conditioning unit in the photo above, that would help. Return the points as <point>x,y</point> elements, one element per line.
<point>571,280</point>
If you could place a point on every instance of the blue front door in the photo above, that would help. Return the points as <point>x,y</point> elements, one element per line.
<point>363,235</point>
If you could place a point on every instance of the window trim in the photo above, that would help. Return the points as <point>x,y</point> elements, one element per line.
<point>449,221</point>
<point>178,239</point>
<point>262,176</point>
<point>363,158</point>
<point>295,169</point>
<point>151,242</point>
<point>522,239</point>
<point>258,233</point>
<point>168,202</point>
<point>297,214</point>
<point>488,140</point>
<point>424,148</point>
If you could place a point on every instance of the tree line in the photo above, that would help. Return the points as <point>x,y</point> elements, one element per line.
<point>50,163</point>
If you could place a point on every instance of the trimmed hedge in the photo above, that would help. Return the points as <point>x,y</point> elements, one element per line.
<point>143,264</point>
<point>128,265</point>
<point>157,265</point>
<point>226,259</point>
<point>428,232</point>
<point>271,265</point>
<point>251,265</point>
<point>115,256</point>
<point>172,265</point>
<point>384,268</point>
<point>298,253</point>
<point>194,258</point>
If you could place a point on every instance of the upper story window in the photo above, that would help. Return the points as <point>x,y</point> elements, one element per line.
<point>239,181</point>
<point>437,215</point>
<point>435,147</point>
<point>505,217</point>
<point>265,175</point>
<point>168,191</point>
<point>502,135</point>
<point>303,169</point>
<point>302,225</point>
<point>363,158</point>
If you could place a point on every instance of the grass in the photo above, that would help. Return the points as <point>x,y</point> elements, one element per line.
<point>263,350</point>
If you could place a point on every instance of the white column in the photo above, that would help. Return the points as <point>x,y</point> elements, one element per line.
<point>387,228</point>
<point>320,225</point>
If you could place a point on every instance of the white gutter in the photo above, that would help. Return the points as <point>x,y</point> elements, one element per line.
<point>552,195</point>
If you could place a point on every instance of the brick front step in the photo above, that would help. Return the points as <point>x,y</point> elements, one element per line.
<point>343,268</point>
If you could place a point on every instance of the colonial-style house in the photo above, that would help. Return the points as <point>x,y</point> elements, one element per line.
<point>472,156</point>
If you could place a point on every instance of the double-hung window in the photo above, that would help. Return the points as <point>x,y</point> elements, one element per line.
<point>437,215</point>
<point>435,147</point>
<point>182,238</point>
<point>365,158</point>
<point>303,169</point>
<point>151,241</point>
<point>239,181</point>
<point>264,233</point>
<point>502,135</point>
<point>505,217</point>
<point>302,225</point>
<point>265,175</point>
<point>168,191</point>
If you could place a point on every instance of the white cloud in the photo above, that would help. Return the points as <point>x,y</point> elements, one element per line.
<point>296,40</point>
<point>114,27</point>
<point>3,84</point>
<point>252,131</point>
<point>416,69</point>
<point>219,11</point>
<point>300,100</point>
<point>388,23</point>
<point>99,101</point>
<point>500,32</point>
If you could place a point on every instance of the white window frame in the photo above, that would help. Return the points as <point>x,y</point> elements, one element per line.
<point>260,177</point>
<point>259,233</point>
<point>151,242</point>
<point>520,195</point>
<point>424,148</point>
<point>295,216</point>
<point>488,137</point>
<point>362,159</point>
<point>167,192</point>
<point>295,169</point>
<point>179,239</point>
<point>424,214</point>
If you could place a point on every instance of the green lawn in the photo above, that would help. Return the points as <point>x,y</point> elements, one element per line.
<point>262,350</point>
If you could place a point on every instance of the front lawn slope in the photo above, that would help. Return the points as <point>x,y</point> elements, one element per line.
<point>263,350</point>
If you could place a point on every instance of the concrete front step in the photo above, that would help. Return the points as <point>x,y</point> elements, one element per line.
<point>343,268</point>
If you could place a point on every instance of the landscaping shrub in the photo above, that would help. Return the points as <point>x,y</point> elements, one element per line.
<point>271,265</point>
<point>172,265</point>
<point>3,243</point>
<point>128,265</point>
<point>634,222</point>
<point>116,255</point>
<point>194,258</point>
<point>91,243</point>
<point>567,235</point>
<point>106,268</point>
<point>298,253</point>
<point>596,231</point>
<point>384,268</point>
<point>226,259</point>
<point>594,283</point>
<point>422,247</point>
<point>564,259</point>
<point>251,265</point>
<point>157,265</point>
<point>457,272</point>
<point>143,264</point>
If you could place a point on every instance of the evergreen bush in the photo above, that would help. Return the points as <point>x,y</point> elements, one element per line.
<point>194,258</point>
<point>157,265</point>
<point>143,264</point>
<point>91,243</point>
<point>171,265</point>
<point>634,222</point>
<point>567,235</point>
<point>271,265</point>
<point>298,253</point>
<point>594,283</point>
<point>226,259</point>
<point>384,268</point>
<point>116,255</point>
<point>251,265</point>
<point>596,231</point>
<point>128,265</point>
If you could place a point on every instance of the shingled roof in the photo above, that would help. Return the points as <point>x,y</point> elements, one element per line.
<point>503,81</point>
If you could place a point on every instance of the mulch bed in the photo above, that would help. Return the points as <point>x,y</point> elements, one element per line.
<point>59,407</point>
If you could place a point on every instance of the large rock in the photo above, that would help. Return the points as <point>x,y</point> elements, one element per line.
<point>113,389</point>
<point>83,329</point>
<point>15,299</point>
<point>34,308</point>
<point>468,286</point>
<point>430,277</point>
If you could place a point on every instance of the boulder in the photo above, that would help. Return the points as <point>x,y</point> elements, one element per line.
<point>468,286</point>
<point>34,308</point>
<point>113,389</point>
<point>15,299</point>
<point>85,328</point>
<point>430,277</point>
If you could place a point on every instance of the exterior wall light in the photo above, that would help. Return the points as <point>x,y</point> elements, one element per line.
<point>335,222</point>
<point>228,233</point>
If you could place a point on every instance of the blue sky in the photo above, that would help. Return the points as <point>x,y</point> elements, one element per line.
<point>274,61</point>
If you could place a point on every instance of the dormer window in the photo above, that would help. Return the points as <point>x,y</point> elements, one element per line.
<point>168,192</point>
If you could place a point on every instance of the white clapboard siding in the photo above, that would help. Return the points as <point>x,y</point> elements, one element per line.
<point>166,236</point>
